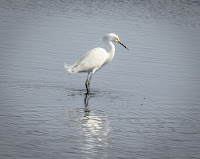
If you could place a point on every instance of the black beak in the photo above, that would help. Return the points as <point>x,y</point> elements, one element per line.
<point>123,45</point>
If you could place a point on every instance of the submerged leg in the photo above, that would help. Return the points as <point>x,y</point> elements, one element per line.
<point>87,95</point>
<point>86,102</point>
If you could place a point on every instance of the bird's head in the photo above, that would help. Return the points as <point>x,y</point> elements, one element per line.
<point>114,38</point>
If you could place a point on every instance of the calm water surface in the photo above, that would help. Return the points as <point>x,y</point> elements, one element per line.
<point>144,104</point>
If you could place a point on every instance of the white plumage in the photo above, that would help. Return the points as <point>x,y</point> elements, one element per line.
<point>94,59</point>
<point>85,64</point>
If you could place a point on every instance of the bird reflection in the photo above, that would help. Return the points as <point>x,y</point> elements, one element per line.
<point>95,131</point>
<point>92,130</point>
<point>86,103</point>
<point>95,134</point>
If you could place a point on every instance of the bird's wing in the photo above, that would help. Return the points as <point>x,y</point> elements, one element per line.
<point>93,59</point>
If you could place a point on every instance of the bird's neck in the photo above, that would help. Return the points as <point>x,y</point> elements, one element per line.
<point>111,47</point>
<point>111,50</point>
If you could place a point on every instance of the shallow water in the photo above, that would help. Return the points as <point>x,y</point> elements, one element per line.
<point>144,104</point>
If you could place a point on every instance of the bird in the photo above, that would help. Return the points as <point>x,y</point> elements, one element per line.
<point>95,59</point>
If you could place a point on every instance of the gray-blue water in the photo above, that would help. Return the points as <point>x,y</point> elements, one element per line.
<point>144,104</point>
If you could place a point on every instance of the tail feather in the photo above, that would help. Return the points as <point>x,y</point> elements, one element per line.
<point>68,68</point>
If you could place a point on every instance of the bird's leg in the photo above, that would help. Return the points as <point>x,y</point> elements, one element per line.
<point>89,81</point>
<point>86,83</point>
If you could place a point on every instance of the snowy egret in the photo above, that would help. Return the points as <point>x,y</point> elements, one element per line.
<point>94,59</point>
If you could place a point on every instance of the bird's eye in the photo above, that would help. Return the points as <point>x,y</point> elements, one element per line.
<point>116,39</point>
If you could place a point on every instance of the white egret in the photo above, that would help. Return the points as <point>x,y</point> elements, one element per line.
<point>94,59</point>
